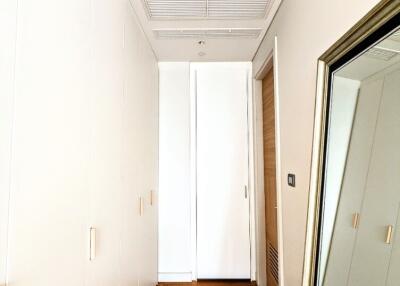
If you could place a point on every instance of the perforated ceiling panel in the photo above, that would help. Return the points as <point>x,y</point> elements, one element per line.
<point>380,54</point>
<point>207,9</point>
<point>207,33</point>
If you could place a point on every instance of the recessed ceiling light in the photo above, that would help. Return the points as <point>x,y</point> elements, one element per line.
<point>201,43</point>
<point>202,54</point>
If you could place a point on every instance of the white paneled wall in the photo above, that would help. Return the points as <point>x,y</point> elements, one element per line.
<point>175,245</point>
<point>343,106</point>
<point>84,144</point>
<point>7,49</point>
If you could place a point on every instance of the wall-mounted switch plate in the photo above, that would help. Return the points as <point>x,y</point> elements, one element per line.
<point>291,180</point>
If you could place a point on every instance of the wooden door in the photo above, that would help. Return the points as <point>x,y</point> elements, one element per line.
<point>270,178</point>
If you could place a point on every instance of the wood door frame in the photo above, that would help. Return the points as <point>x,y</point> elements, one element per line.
<point>271,61</point>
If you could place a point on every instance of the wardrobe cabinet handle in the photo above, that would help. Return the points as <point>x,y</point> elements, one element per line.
<point>141,206</point>
<point>389,234</point>
<point>356,220</point>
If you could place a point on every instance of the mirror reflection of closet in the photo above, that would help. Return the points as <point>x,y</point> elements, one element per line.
<point>360,242</point>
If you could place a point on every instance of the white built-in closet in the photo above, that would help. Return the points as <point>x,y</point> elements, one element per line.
<point>79,145</point>
<point>364,253</point>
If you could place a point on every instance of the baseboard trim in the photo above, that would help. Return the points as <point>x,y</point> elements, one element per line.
<point>210,282</point>
<point>184,277</point>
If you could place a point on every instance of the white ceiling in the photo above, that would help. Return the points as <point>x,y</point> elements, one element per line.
<point>230,30</point>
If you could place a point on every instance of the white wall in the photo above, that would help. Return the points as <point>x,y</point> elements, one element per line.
<point>175,243</point>
<point>304,29</point>
<point>84,144</point>
<point>8,11</point>
<point>177,215</point>
<point>343,105</point>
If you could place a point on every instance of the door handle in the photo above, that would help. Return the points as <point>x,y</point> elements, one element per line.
<point>389,234</point>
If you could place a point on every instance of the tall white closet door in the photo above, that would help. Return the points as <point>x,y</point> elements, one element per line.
<point>390,190</point>
<point>8,10</point>
<point>49,199</point>
<point>107,137</point>
<point>145,146</point>
<point>382,195</point>
<point>223,243</point>
<point>125,130</point>
<point>353,185</point>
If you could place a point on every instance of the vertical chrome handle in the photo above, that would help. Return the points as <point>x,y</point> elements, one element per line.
<point>389,234</point>
<point>245,192</point>
<point>356,220</point>
<point>92,243</point>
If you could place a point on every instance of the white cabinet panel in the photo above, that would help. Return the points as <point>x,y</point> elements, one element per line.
<point>49,201</point>
<point>106,138</point>
<point>343,106</point>
<point>393,274</point>
<point>84,148</point>
<point>8,13</point>
<point>354,178</point>
<point>381,202</point>
<point>223,243</point>
<point>175,198</point>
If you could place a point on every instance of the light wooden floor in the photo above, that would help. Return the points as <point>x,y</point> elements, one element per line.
<point>210,283</point>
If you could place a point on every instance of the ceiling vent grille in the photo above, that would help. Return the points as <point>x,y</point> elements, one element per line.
<point>207,33</point>
<point>381,53</point>
<point>206,9</point>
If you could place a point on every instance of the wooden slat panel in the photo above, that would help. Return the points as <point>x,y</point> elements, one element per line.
<point>270,178</point>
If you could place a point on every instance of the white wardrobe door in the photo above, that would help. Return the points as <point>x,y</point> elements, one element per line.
<point>381,202</point>
<point>393,276</point>
<point>389,190</point>
<point>48,210</point>
<point>174,194</point>
<point>354,178</point>
<point>107,138</point>
<point>223,245</point>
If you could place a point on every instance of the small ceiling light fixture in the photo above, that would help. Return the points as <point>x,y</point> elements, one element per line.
<point>201,43</point>
<point>202,54</point>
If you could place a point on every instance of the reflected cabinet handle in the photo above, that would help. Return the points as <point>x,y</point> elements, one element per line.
<point>356,220</point>
<point>151,197</point>
<point>389,234</point>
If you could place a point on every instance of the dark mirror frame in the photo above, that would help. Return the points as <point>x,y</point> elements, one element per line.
<point>377,24</point>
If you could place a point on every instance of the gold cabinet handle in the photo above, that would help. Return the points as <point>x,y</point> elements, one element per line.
<point>141,206</point>
<point>92,243</point>
<point>151,197</point>
<point>356,220</point>
<point>389,234</point>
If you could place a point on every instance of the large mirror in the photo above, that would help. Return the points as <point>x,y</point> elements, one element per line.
<point>354,219</point>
